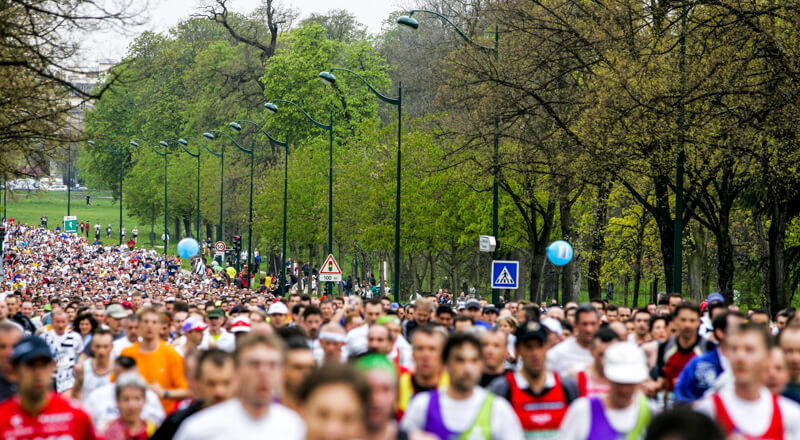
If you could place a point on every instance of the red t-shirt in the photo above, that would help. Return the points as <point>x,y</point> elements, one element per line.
<point>58,420</point>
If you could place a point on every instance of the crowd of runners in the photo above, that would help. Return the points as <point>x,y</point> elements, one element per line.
<point>123,343</point>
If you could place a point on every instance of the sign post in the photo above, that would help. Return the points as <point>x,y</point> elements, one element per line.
<point>219,252</point>
<point>70,224</point>
<point>330,270</point>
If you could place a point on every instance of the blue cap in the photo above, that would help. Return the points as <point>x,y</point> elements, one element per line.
<point>716,296</point>
<point>394,306</point>
<point>30,348</point>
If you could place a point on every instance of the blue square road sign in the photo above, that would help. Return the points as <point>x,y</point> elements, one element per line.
<point>505,274</point>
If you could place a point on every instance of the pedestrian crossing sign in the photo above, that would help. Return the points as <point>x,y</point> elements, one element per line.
<point>505,274</point>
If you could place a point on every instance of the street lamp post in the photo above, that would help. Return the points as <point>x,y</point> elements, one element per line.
<point>221,156</point>
<point>165,154</point>
<point>330,79</point>
<point>250,152</point>
<point>272,108</point>
<point>121,155</point>
<point>285,144</point>
<point>183,143</point>
<point>69,176</point>
<point>409,21</point>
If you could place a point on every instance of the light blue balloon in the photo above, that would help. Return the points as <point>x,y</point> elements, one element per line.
<point>188,248</point>
<point>560,252</point>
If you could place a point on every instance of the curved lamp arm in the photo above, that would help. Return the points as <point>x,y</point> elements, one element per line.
<point>329,78</point>
<point>410,22</point>
<point>271,139</point>
<point>135,144</point>
<point>217,155</point>
<point>107,145</point>
<point>233,140</point>
<point>177,141</point>
<point>313,121</point>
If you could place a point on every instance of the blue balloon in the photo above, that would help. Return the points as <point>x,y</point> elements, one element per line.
<point>188,248</point>
<point>559,252</point>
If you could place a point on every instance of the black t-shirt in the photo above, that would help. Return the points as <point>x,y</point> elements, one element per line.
<point>487,378</point>
<point>169,428</point>
<point>419,388</point>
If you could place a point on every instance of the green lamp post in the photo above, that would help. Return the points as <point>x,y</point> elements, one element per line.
<point>412,23</point>
<point>285,144</point>
<point>272,108</point>
<point>121,155</point>
<point>221,156</point>
<point>182,143</point>
<point>330,79</point>
<point>250,152</point>
<point>165,154</point>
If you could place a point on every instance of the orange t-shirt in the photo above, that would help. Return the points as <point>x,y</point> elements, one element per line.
<point>164,366</point>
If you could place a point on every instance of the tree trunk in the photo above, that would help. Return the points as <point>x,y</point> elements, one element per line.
<point>598,240</point>
<point>568,291</point>
<point>187,226</point>
<point>779,298</point>
<point>762,254</point>
<point>695,263</point>
<point>665,224</point>
<point>537,249</point>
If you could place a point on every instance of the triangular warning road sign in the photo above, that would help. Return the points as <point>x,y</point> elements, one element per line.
<point>330,266</point>
<point>504,277</point>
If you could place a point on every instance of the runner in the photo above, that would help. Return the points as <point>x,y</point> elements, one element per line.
<point>95,372</point>
<point>131,391</point>
<point>252,413</point>
<point>464,410</point>
<point>10,334</point>
<point>213,384</point>
<point>36,412</point>
<point>66,347</point>
<point>334,403</point>
<point>747,409</point>
<point>215,335</point>
<point>159,364</point>
<point>591,380</point>
<point>539,397</point>
<point>429,373</point>
<point>624,412</point>
<point>573,353</point>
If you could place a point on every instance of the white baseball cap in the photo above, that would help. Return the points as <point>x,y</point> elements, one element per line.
<point>625,362</point>
<point>278,308</point>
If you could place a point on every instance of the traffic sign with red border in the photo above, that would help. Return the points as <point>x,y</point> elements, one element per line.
<point>330,270</point>
<point>219,246</point>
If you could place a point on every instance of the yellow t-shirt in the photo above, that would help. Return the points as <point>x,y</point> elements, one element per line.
<point>164,366</point>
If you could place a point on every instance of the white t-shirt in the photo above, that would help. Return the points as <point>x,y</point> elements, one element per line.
<point>568,355</point>
<point>754,417</point>
<point>229,420</point>
<point>225,342</point>
<point>459,415</point>
<point>66,349</point>
<point>577,421</point>
<point>119,345</point>
<point>101,405</point>
<point>91,380</point>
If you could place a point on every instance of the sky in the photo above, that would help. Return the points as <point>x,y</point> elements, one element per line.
<point>163,14</point>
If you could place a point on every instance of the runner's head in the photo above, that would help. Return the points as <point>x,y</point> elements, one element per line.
<point>334,402</point>
<point>149,319</point>
<point>625,367</point>
<point>587,321</point>
<point>33,366</point>
<point>789,340</point>
<point>373,309</point>
<point>777,371</point>
<point>381,375</point>
<point>494,347</point>
<point>464,361</point>
<point>102,342</point>
<point>687,319</point>
<point>259,362</point>
<point>747,349</point>
<point>59,320</point>
<point>379,339</point>
<point>427,343</point>
<point>531,347</point>
<point>683,424</point>
<point>331,339</point>
<point>10,334</point>
<point>131,390</point>
<point>641,323</point>
<point>312,321</point>
<point>299,359</point>
<point>214,376</point>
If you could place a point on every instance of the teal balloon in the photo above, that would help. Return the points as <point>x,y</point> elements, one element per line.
<point>188,248</point>
<point>560,253</point>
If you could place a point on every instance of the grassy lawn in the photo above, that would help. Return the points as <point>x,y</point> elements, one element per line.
<point>28,207</point>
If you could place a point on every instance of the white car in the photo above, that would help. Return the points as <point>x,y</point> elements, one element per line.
<point>59,187</point>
